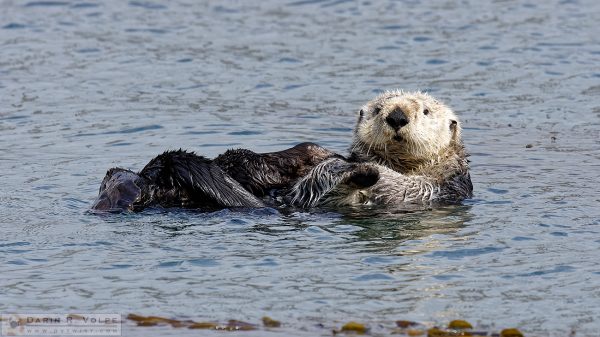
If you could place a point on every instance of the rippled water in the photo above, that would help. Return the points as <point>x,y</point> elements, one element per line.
<point>85,86</point>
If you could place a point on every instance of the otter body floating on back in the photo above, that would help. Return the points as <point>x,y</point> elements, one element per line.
<point>411,141</point>
<point>407,150</point>
<point>237,178</point>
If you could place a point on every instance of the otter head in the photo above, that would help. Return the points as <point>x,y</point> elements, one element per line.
<point>405,129</point>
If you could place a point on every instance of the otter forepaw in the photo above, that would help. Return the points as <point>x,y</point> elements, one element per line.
<point>363,176</point>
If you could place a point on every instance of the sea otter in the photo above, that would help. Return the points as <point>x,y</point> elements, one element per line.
<point>236,178</point>
<point>407,150</point>
<point>411,142</point>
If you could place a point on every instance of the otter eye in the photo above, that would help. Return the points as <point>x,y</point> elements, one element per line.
<point>426,112</point>
<point>362,113</point>
<point>376,111</point>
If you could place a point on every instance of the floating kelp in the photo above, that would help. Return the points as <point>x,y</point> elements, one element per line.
<point>437,332</point>
<point>456,328</point>
<point>459,324</point>
<point>353,327</point>
<point>406,324</point>
<point>203,325</point>
<point>232,325</point>
<point>155,320</point>
<point>76,317</point>
<point>414,332</point>
<point>409,328</point>
<point>271,323</point>
<point>511,333</point>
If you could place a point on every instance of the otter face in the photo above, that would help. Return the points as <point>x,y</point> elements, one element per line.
<point>412,124</point>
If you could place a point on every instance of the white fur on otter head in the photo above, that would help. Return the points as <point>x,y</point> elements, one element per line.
<point>405,131</point>
<point>408,147</point>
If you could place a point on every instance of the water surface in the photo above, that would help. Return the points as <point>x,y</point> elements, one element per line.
<point>85,86</point>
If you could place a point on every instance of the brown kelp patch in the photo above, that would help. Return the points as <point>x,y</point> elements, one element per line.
<point>455,328</point>
<point>231,325</point>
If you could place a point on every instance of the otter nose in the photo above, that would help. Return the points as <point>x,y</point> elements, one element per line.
<point>397,119</point>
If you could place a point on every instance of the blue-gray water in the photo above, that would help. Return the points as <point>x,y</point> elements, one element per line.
<point>85,86</point>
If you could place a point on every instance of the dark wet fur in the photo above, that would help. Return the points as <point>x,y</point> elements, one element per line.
<point>362,177</point>
<point>260,173</point>
<point>184,179</point>
<point>119,190</point>
<point>237,178</point>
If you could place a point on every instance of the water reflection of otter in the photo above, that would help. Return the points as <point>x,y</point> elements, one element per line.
<point>388,227</point>
<point>237,178</point>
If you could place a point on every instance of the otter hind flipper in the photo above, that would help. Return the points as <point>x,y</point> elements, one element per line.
<point>261,173</point>
<point>249,169</point>
<point>195,181</point>
<point>119,191</point>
